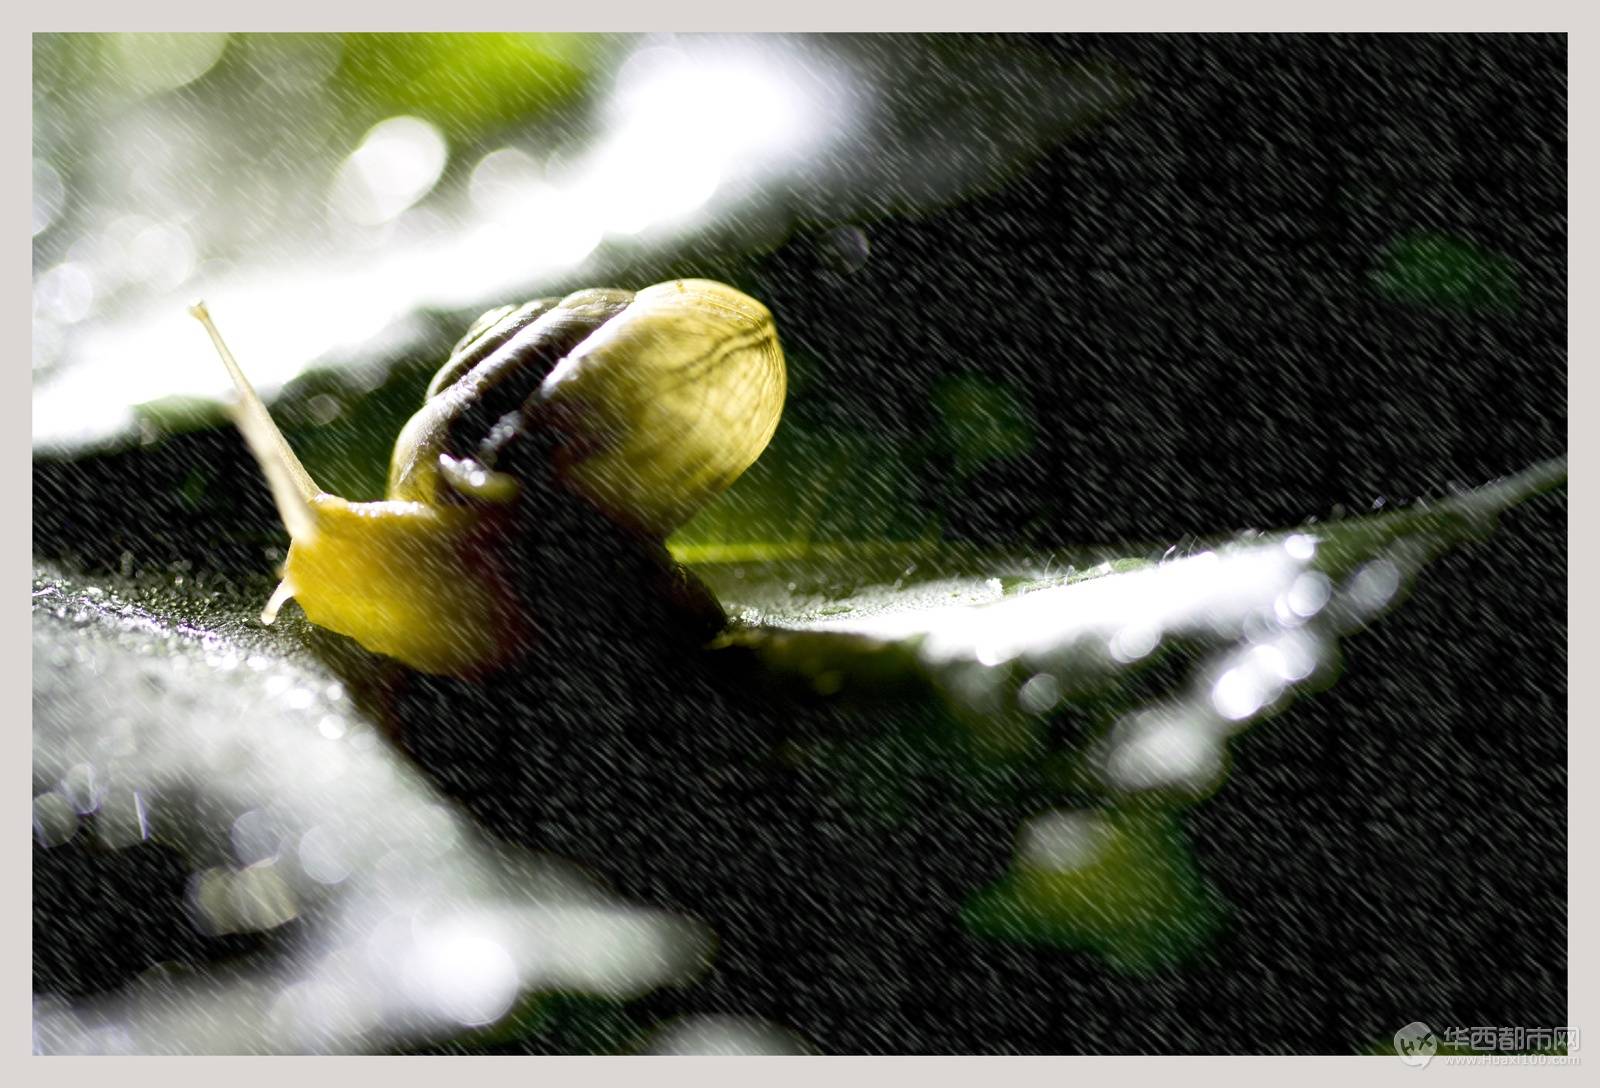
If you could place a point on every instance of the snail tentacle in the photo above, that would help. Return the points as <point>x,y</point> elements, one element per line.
<point>292,486</point>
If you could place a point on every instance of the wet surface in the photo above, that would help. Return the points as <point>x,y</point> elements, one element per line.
<point>766,805</point>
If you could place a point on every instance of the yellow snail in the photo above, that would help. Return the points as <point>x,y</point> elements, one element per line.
<point>643,406</point>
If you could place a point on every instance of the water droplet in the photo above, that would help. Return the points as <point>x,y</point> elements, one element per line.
<point>1064,841</point>
<point>152,63</point>
<point>1301,546</point>
<point>1375,584</point>
<point>1239,693</point>
<point>502,178</point>
<point>64,294</point>
<point>1135,642</point>
<point>1040,694</point>
<point>322,857</point>
<point>463,974</point>
<point>845,249</point>
<point>1309,593</point>
<point>397,163</point>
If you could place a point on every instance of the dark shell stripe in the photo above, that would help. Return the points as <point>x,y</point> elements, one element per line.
<point>485,338</point>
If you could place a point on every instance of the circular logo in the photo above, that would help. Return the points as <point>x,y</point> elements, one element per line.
<point>1416,1044</point>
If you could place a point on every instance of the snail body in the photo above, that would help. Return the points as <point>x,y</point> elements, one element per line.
<point>629,409</point>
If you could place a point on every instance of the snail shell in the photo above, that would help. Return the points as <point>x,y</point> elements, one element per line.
<point>646,405</point>
<point>641,406</point>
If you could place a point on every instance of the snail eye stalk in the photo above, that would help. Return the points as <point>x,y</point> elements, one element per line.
<point>292,486</point>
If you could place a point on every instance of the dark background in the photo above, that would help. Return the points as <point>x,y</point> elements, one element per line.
<point>1185,297</point>
<point>1185,290</point>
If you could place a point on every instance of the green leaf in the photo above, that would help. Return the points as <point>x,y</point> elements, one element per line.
<point>1119,883</point>
<point>1436,269</point>
<point>467,84</point>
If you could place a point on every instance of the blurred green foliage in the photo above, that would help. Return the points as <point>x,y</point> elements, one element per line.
<point>469,85</point>
<point>827,478</point>
<point>815,485</point>
<point>1436,269</point>
<point>982,419</point>
<point>1139,901</point>
<point>466,84</point>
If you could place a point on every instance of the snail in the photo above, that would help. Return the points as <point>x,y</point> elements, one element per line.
<point>627,410</point>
